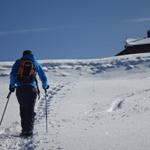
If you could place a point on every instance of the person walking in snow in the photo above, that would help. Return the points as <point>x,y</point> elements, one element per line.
<point>23,79</point>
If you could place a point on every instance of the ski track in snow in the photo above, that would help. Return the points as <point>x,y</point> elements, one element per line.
<point>9,137</point>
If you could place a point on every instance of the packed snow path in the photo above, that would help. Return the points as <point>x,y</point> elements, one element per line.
<point>92,104</point>
<point>9,137</point>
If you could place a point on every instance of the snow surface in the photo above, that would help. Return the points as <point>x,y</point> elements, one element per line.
<point>137,41</point>
<point>97,104</point>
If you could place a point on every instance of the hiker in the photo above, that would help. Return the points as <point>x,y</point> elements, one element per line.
<point>23,79</point>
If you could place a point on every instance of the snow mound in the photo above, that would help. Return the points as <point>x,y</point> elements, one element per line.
<point>117,104</point>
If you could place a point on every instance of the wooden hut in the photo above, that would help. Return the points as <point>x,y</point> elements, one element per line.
<point>136,45</point>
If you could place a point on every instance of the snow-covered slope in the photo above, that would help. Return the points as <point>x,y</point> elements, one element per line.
<point>97,104</point>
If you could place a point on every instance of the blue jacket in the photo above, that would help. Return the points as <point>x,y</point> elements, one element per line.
<point>13,75</point>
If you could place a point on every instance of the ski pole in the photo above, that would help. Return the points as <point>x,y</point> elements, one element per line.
<point>46,110</point>
<point>8,97</point>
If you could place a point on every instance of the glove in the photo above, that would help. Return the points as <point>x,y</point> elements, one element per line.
<point>45,87</point>
<point>11,88</point>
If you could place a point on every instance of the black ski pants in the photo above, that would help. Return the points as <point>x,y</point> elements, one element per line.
<point>26,96</point>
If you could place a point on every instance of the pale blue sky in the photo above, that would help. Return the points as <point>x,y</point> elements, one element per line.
<point>57,29</point>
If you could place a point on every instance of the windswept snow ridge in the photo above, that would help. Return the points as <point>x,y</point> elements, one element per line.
<point>117,104</point>
<point>92,67</point>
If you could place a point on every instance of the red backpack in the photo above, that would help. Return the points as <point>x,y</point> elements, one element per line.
<point>26,71</point>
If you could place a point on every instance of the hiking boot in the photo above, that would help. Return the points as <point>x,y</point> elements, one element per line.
<point>26,133</point>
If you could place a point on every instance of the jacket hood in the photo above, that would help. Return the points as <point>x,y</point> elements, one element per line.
<point>29,56</point>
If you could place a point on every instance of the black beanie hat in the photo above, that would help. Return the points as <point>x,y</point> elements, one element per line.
<point>27,52</point>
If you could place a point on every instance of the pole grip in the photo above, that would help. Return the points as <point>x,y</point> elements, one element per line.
<point>8,96</point>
